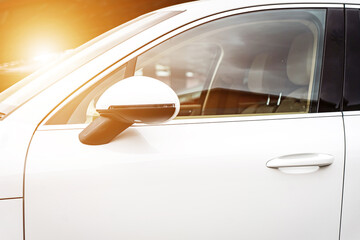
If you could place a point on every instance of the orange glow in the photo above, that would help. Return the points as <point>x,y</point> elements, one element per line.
<point>37,31</point>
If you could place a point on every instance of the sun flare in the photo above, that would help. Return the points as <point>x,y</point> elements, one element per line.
<point>43,53</point>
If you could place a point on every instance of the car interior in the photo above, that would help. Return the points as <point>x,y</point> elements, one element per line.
<point>233,66</point>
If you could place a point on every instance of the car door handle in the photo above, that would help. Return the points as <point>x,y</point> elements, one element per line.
<point>301,160</point>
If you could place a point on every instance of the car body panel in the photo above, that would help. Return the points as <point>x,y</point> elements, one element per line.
<point>351,206</point>
<point>11,219</point>
<point>14,142</point>
<point>181,180</point>
<point>13,147</point>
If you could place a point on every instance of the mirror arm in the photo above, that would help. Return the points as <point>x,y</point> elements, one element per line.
<point>116,119</point>
<point>102,130</point>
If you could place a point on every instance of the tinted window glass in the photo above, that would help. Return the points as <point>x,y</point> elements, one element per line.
<point>82,108</point>
<point>255,63</point>
<point>352,83</point>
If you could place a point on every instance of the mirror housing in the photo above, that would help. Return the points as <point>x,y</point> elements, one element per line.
<point>136,99</point>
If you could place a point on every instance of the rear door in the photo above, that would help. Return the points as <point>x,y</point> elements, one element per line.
<point>351,205</point>
<point>249,157</point>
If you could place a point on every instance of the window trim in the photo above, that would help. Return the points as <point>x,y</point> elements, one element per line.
<point>352,55</point>
<point>333,62</point>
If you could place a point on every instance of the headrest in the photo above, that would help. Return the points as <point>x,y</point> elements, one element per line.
<point>256,73</point>
<point>300,59</point>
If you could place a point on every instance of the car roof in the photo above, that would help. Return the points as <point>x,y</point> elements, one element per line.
<point>195,10</point>
<point>223,5</point>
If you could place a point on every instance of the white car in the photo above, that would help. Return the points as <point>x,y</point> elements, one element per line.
<point>208,120</point>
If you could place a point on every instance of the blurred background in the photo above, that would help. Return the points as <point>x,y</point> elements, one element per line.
<point>34,32</point>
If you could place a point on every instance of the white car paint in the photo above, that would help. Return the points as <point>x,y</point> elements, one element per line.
<point>153,184</point>
<point>11,219</point>
<point>351,208</point>
<point>120,94</point>
<point>148,187</point>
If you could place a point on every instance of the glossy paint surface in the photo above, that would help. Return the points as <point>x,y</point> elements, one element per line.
<point>11,219</point>
<point>187,180</point>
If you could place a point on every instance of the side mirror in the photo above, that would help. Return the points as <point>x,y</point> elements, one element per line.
<point>136,99</point>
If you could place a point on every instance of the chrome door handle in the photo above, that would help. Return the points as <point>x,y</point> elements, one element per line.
<point>301,160</point>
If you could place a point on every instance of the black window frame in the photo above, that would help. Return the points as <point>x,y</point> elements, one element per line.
<point>351,100</point>
<point>332,77</point>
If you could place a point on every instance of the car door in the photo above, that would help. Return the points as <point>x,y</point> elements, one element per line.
<point>351,210</point>
<point>257,151</point>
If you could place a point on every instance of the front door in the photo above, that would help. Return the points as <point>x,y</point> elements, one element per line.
<point>248,157</point>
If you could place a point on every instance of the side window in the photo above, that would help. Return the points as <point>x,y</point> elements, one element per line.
<point>82,108</point>
<point>352,83</point>
<point>187,67</point>
<point>264,62</point>
<point>256,63</point>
